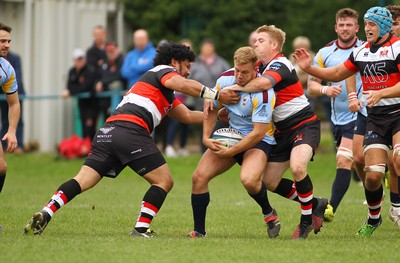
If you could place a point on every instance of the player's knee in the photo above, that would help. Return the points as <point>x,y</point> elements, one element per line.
<point>373,181</point>
<point>344,158</point>
<point>199,178</point>
<point>298,172</point>
<point>250,184</point>
<point>3,167</point>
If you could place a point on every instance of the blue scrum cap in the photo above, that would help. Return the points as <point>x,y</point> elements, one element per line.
<point>380,16</point>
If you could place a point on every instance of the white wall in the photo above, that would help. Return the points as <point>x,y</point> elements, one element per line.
<point>44,33</point>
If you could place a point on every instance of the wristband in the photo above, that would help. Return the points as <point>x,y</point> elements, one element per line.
<point>207,93</point>
<point>323,89</point>
<point>352,96</point>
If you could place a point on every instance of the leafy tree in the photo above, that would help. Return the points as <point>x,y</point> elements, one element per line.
<point>229,22</point>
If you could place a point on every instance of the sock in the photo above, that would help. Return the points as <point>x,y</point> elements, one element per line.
<point>199,207</point>
<point>340,186</point>
<point>262,199</point>
<point>2,179</point>
<point>65,193</point>
<point>151,204</point>
<point>395,201</point>
<point>287,189</point>
<point>305,192</point>
<point>374,200</point>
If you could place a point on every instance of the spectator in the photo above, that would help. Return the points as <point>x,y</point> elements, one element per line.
<point>82,78</point>
<point>111,78</point>
<point>175,126</point>
<point>15,61</point>
<point>206,69</point>
<point>96,57</point>
<point>140,59</point>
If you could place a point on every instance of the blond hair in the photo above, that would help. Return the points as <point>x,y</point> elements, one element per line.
<point>275,33</point>
<point>245,55</point>
<point>347,12</point>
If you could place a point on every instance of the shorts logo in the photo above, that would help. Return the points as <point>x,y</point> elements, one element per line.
<point>371,135</point>
<point>136,151</point>
<point>299,137</point>
<point>106,130</point>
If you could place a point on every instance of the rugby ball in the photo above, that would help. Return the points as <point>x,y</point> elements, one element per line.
<point>227,136</point>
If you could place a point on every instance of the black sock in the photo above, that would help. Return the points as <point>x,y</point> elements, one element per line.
<point>70,188</point>
<point>339,187</point>
<point>374,198</point>
<point>155,196</point>
<point>262,199</point>
<point>2,179</point>
<point>305,190</point>
<point>199,207</point>
<point>285,189</point>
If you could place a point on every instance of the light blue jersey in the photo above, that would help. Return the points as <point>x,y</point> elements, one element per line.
<point>330,56</point>
<point>252,107</point>
<point>8,81</point>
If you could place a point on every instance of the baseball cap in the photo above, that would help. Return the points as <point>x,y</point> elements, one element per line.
<point>78,53</point>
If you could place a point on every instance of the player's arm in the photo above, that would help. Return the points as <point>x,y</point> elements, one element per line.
<point>251,139</point>
<point>336,73</point>
<point>13,118</point>
<point>196,89</point>
<point>374,96</point>
<point>354,102</point>
<point>183,114</point>
<point>315,88</point>
<point>257,84</point>
<point>208,128</point>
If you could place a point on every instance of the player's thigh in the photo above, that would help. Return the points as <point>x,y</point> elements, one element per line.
<point>299,158</point>
<point>211,165</point>
<point>273,174</point>
<point>253,165</point>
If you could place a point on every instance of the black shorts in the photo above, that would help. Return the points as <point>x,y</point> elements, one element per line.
<point>346,131</point>
<point>381,128</point>
<point>263,146</point>
<point>361,124</point>
<point>120,144</point>
<point>308,133</point>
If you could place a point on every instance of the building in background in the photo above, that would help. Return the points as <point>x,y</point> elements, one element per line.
<point>44,33</point>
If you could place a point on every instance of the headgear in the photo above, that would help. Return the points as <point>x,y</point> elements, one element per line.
<point>381,17</point>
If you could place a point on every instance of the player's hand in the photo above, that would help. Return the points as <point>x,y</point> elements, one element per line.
<point>207,106</point>
<point>223,152</point>
<point>374,96</point>
<point>302,58</point>
<point>355,105</point>
<point>235,87</point>
<point>333,91</point>
<point>228,96</point>
<point>11,140</point>
<point>212,144</point>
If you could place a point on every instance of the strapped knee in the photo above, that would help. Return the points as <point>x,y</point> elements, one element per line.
<point>396,150</point>
<point>345,152</point>
<point>377,146</point>
<point>378,168</point>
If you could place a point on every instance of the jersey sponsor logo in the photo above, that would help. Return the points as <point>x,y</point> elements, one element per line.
<point>263,111</point>
<point>275,66</point>
<point>383,53</point>
<point>375,73</point>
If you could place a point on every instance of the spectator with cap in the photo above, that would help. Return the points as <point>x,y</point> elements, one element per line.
<point>82,78</point>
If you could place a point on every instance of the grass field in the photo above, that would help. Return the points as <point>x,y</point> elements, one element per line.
<point>95,226</point>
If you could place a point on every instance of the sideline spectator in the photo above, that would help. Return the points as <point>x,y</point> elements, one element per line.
<point>140,59</point>
<point>82,78</point>
<point>206,69</point>
<point>111,78</point>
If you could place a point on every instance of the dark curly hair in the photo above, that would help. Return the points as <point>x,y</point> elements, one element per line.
<point>167,51</point>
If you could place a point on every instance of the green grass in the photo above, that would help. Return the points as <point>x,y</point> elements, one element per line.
<point>95,226</point>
